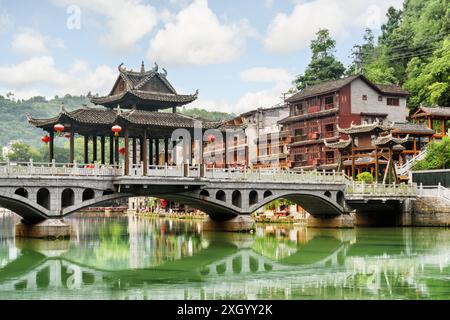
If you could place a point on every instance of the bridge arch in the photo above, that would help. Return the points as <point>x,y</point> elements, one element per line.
<point>67,198</point>
<point>253,197</point>
<point>22,192</point>
<point>267,194</point>
<point>43,198</point>
<point>340,198</point>
<point>204,193</point>
<point>88,194</point>
<point>220,195</point>
<point>327,194</point>
<point>236,198</point>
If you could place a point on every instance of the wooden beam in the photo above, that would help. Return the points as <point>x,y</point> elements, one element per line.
<point>51,153</point>
<point>127,153</point>
<point>111,149</point>
<point>144,152</point>
<point>72,146</point>
<point>86,149</point>
<point>94,149</point>
<point>102,149</point>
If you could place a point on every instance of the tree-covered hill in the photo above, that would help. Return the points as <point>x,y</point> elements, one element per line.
<point>14,124</point>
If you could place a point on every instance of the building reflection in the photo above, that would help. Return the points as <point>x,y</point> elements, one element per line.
<point>135,258</point>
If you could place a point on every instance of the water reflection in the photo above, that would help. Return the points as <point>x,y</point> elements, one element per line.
<point>134,258</point>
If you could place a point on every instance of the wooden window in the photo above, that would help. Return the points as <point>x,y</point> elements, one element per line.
<point>364,97</point>
<point>393,102</point>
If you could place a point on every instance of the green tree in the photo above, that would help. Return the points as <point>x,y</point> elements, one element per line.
<point>437,157</point>
<point>362,54</point>
<point>323,66</point>
<point>365,177</point>
<point>22,152</point>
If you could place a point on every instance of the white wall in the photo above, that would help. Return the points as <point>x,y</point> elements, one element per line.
<point>372,105</point>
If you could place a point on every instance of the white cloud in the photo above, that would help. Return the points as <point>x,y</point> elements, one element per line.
<point>5,21</point>
<point>41,72</point>
<point>197,37</point>
<point>128,21</point>
<point>30,42</point>
<point>287,33</point>
<point>266,75</point>
<point>268,3</point>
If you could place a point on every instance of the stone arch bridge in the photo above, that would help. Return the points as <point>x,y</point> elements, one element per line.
<point>49,191</point>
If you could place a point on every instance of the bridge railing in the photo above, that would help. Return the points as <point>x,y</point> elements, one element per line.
<point>380,190</point>
<point>57,169</point>
<point>438,191</point>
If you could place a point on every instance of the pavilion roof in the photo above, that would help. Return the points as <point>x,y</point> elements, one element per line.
<point>108,117</point>
<point>411,128</point>
<point>341,144</point>
<point>376,126</point>
<point>389,141</point>
<point>442,112</point>
<point>146,89</point>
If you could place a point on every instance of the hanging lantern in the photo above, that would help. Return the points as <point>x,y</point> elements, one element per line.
<point>45,139</point>
<point>90,166</point>
<point>122,151</point>
<point>211,138</point>
<point>163,203</point>
<point>116,129</point>
<point>58,128</point>
<point>67,135</point>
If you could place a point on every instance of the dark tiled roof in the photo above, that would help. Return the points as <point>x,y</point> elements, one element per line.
<point>95,116</point>
<point>322,88</point>
<point>392,89</point>
<point>389,140</point>
<point>407,127</point>
<point>364,128</point>
<point>436,111</point>
<point>341,144</point>
<point>306,116</point>
<point>335,85</point>
<point>146,95</point>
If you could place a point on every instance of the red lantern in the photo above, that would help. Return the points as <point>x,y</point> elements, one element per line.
<point>90,166</point>
<point>45,139</point>
<point>163,203</point>
<point>116,129</point>
<point>211,138</point>
<point>122,151</point>
<point>58,128</point>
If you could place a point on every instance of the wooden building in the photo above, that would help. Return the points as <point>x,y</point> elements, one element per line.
<point>132,118</point>
<point>318,110</point>
<point>437,119</point>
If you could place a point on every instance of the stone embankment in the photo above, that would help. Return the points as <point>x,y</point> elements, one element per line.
<point>430,212</point>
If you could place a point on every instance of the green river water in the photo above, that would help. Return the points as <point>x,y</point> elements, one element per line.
<point>137,258</point>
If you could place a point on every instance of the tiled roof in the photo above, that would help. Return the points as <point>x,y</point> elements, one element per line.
<point>411,128</point>
<point>389,140</point>
<point>146,95</point>
<point>364,128</point>
<point>335,85</point>
<point>341,144</point>
<point>97,116</point>
<point>306,116</point>
<point>436,111</point>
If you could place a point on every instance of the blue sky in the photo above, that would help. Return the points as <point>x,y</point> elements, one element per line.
<point>241,55</point>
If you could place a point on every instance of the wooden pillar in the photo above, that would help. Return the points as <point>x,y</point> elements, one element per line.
<point>134,151</point>
<point>111,149</point>
<point>443,126</point>
<point>144,152</point>
<point>166,150</point>
<point>150,151</point>
<point>376,164</point>
<point>174,109</point>
<point>94,148</point>
<point>127,153</point>
<point>102,149</point>
<point>116,151</point>
<point>157,151</point>
<point>225,151</point>
<point>141,148</point>
<point>86,149</point>
<point>51,152</point>
<point>353,159</point>
<point>72,146</point>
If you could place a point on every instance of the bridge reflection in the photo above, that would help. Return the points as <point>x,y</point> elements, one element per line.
<point>162,259</point>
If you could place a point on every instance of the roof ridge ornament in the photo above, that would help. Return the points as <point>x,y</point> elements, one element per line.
<point>121,67</point>
<point>164,73</point>
<point>142,67</point>
<point>63,109</point>
<point>119,111</point>
<point>155,69</point>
